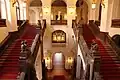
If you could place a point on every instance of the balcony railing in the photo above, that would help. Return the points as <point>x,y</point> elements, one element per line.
<point>58,22</point>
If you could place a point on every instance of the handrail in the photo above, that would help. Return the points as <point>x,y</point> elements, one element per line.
<point>97,76</point>
<point>86,56</point>
<point>22,25</point>
<point>35,46</point>
<point>113,45</point>
<point>81,40</point>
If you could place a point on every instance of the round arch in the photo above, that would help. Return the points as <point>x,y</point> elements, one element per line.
<point>58,0</point>
<point>36,3</point>
<point>41,2</point>
<point>82,11</point>
<point>59,10</point>
<point>58,36</point>
<point>58,60</point>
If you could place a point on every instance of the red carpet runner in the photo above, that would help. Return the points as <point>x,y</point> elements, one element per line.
<point>59,77</point>
<point>9,61</point>
<point>110,65</point>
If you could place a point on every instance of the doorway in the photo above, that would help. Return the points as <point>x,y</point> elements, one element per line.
<point>58,60</point>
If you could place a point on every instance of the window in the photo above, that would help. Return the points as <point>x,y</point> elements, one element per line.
<point>58,36</point>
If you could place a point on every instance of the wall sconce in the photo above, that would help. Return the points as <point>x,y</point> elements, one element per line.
<point>93,5</point>
<point>71,10</point>
<point>70,60</point>
<point>102,3</point>
<point>46,10</point>
<point>47,61</point>
<point>24,4</point>
<point>14,3</point>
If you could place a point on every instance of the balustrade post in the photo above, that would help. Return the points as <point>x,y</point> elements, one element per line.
<point>91,70</point>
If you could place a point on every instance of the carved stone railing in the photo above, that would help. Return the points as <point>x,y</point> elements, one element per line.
<point>28,69</point>
<point>91,61</point>
<point>116,23</point>
<point>58,22</point>
<point>97,76</point>
<point>3,23</point>
<point>88,57</point>
<point>86,54</point>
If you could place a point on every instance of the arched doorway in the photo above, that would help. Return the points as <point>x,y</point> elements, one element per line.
<point>81,11</point>
<point>58,60</point>
<point>59,10</point>
<point>36,6</point>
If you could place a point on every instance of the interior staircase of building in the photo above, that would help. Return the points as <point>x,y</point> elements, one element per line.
<point>9,59</point>
<point>109,62</point>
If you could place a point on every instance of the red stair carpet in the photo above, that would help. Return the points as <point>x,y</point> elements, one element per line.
<point>9,60</point>
<point>110,65</point>
<point>59,77</point>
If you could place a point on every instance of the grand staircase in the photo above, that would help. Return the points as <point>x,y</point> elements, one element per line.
<point>109,62</point>
<point>9,60</point>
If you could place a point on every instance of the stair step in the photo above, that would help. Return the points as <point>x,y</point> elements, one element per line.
<point>112,62</point>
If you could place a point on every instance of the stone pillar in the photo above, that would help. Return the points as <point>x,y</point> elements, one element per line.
<point>106,15</point>
<point>11,20</point>
<point>21,11</point>
<point>71,12</point>
<point>37,11</point>
<point>27,11</point>
<point>46,7</point>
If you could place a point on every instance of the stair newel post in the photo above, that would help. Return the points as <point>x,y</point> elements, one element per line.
<point>91,69</point>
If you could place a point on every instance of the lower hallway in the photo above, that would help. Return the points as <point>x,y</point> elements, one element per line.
<point>58,71</point>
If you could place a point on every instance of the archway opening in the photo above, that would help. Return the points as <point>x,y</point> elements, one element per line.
<point>36,12</point>
<point>59,10</point>
<point>58,60</point>
<point>81,11</point>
